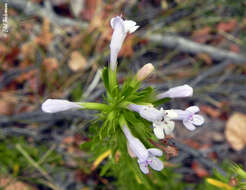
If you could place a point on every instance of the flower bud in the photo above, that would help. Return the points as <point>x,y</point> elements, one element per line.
<point>145,71</point>
<point>177,92</point>
<point>57,105</point>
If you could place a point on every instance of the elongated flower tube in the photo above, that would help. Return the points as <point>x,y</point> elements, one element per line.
<point>177,92</point>
<point>147,112</point>
<point>145,156</point>
<point>135,145</point>
<point>57,105</point>
<point>189,117</point>
<point>121,28</point>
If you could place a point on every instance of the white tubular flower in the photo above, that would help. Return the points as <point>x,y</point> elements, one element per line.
<point>121,28</point>
<point>165,126</point>
<point>57,105</point>
<point>189,117</point>
<point>147,112</point>
<point>145,156</point>
<point>135,145</point>
<point>177,92</point>
<point>161,120</point>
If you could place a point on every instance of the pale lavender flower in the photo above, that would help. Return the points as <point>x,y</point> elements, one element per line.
<point>145,156</point>
<point>162,124</point>
<point>177,92</point>
<point>57,105</point>
<point>121,28</point>
<point>147,112</point>
<point>189,117</point>
<point>163,128</point>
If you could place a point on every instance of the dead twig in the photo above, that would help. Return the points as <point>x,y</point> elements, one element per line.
<point>41,117</point>
<point>29,8</point>
<point>185,45</point>
<point>9,76</point>
<point>204,75</point>
<point>196,154</point>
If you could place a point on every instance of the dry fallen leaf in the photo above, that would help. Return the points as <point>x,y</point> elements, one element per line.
<point>26,76</point>
<point>7,103</point>
<point>227,26</point>
<point>45,38</point>
<point>90,8</point>
<point>127,50</point>
<point>51,64</point>
<point>235,48</point>
<point>28,50</point>
<point>77,62</point>
<point>202,35</point>
<point>213,112</point>
<point>199,170</point>
<point>205,57</point>
<point>11,184</point>
<point>6,108</point>
<point>236,131</point>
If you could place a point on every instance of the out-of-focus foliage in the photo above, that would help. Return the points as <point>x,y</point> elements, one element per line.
<point>13,162</point>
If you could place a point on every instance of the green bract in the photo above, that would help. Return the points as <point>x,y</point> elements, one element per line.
<point>107,133</point>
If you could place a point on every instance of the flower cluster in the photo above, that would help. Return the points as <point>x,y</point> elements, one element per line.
<point>162,120</point>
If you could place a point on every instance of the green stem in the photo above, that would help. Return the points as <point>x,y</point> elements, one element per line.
<point>124,104</point>
<point>122,121</point>
<point>112,78</point>
<point>93,105</point>
<point>32,162</point>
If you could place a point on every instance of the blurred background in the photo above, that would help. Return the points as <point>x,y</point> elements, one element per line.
<point>55,48</point>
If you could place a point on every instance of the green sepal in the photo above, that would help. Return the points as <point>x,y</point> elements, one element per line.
<point>161,101</point>
<point>94,106</point>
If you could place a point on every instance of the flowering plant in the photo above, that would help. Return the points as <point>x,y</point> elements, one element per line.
<point>129,118</point>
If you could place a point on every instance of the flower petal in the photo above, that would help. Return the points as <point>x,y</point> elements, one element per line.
<point>159,133</point>
<point>116,20</point>
<point>197,119</point>
<point>193,109</point>
<point>171,114</point>
<point>177,92</point>
<point>155,151</point>
<point>169,127</point>
<point>189,125</point>
<point>151,114</point>
<point>144,168</point>
<point>133,29</point>
<point>129,24</point>
<point>156,164</point>
<point>57,105</point>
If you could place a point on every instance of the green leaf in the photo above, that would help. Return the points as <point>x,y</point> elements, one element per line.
<point>161,101</point>
<point>105,79</point>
